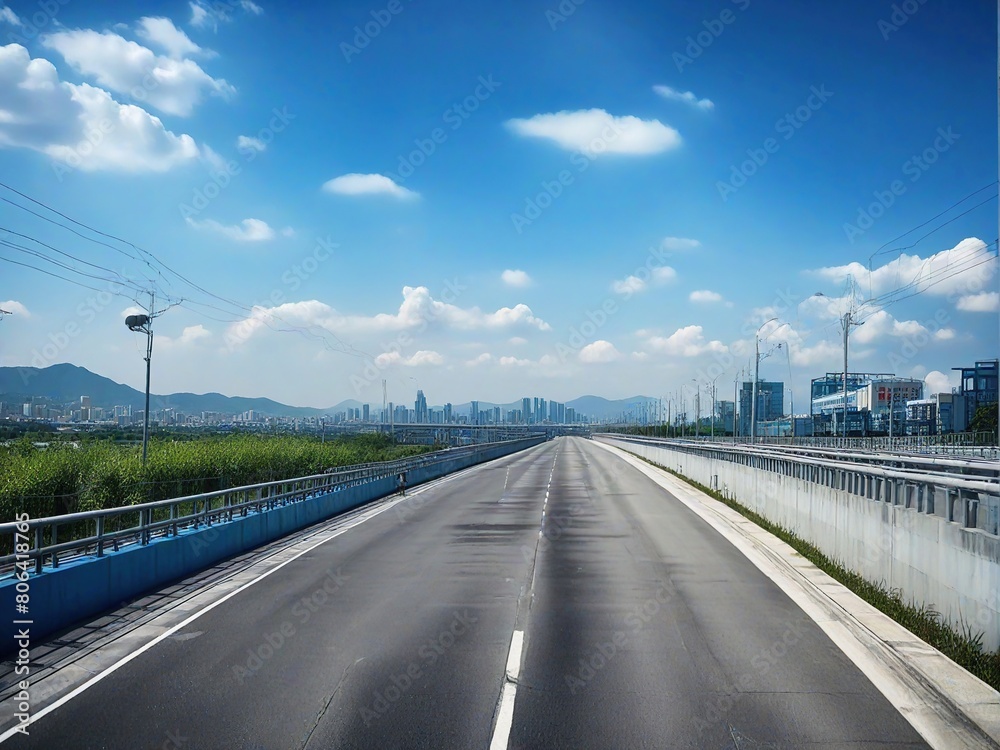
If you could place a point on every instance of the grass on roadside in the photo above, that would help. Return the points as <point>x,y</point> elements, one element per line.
<point>962,645</point>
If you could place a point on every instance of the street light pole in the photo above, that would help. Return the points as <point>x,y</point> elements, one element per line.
<point>144,324</point>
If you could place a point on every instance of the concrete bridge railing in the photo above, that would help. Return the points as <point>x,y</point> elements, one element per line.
<point>935,536</point>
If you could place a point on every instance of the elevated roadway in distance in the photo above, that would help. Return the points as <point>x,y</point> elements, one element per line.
<point>556,598</point>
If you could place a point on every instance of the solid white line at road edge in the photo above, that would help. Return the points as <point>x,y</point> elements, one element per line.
<point>209,607</point>
<point>888,654</point>
<point>505,716</point>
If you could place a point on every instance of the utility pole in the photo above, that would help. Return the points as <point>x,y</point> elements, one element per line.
<point>144,324</point>
<point>847,323</point>
<point>753,389</point>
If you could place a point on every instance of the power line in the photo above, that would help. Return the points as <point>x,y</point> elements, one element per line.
<point>146,256</point>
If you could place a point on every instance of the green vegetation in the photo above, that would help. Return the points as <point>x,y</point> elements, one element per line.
<point>964,646</point>
<point>985,419</point>
<point>66,478</point>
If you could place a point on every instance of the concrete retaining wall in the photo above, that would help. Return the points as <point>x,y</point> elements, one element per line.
<point>87,586</point>
<point>952,569</point>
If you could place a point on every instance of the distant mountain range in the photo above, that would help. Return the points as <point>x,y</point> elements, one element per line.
<point>65,383</point>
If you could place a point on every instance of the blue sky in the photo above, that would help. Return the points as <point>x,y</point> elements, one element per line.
<point>449,197</point>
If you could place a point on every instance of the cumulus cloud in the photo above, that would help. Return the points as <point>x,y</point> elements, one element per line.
<point>938,382</point>
<point>628,285</point>
<point>80,125</point>
<point>423,357</point>
<point>517,340</point>
<point>248,230</point>
<point>704,296</point>
<point>190,335</point>
<point>688,341</point>
<point>595,131</point>
<point>418,310</point>
<point>632,284</point>
<point>15,307</point>
<point>881,324</point>
<point>600,351</point>
<point>367,184</point>
<point>170,85</point>
<point>982,302</point>
<point>245,141</point>
<point>515,278</point>
<point>676,95</point>
<point>963,270</point>
<point>161,32</point>
<point>515,362</point>
<point>482,359</point>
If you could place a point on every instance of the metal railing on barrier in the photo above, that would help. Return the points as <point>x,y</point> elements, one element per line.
<point>972,501</point>
<point>36,541</point>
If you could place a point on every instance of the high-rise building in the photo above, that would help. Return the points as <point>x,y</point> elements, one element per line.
<point>474,412</point>
<point>366,413</point>
<point>526,411</point>
<point>420,408</point>
<point>725,413</point>
<point>770,403</point>
<point>978,386</point>
<point>447,413</point>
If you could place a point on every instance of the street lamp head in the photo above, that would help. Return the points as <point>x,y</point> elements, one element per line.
<point>136,322</point>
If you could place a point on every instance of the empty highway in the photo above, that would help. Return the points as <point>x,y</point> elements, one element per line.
<point>557,598</point>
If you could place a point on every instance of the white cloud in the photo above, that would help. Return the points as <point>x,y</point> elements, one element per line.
<point>628,285</point>
<point>517,341</point>
<point>131,310</point>
<point>663,275</point>
<point>60,119</point>
<point>189,336</point>
<point>633,284</point>
<point>882,324</point>
<point>173,86</point>
<point>15,307</point>
<point>982,302</point>
<point>515,362</point>
<point>599,352</point>
<point>367,184</point>
<point>482,359</point>
<point>679,243</point>
<point>672,94</point>
<point>420,358</point>
<point>9,16</point>
<point>515,278</point>
<point>962,270</point>
<point>248,230</point>
<point>688,341</point>
<point>199,16</point>
<point>704,296</point>
<point>938,382</point>
<point>418,310</point>
<point>287,232</point>
<point>245,141</point>
<point>425,357</point>
<point>205,14</point>
<point>594,131</point>
<point>162,33</point>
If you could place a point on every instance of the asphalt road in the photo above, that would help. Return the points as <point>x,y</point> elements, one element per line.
<point>642,627</point>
